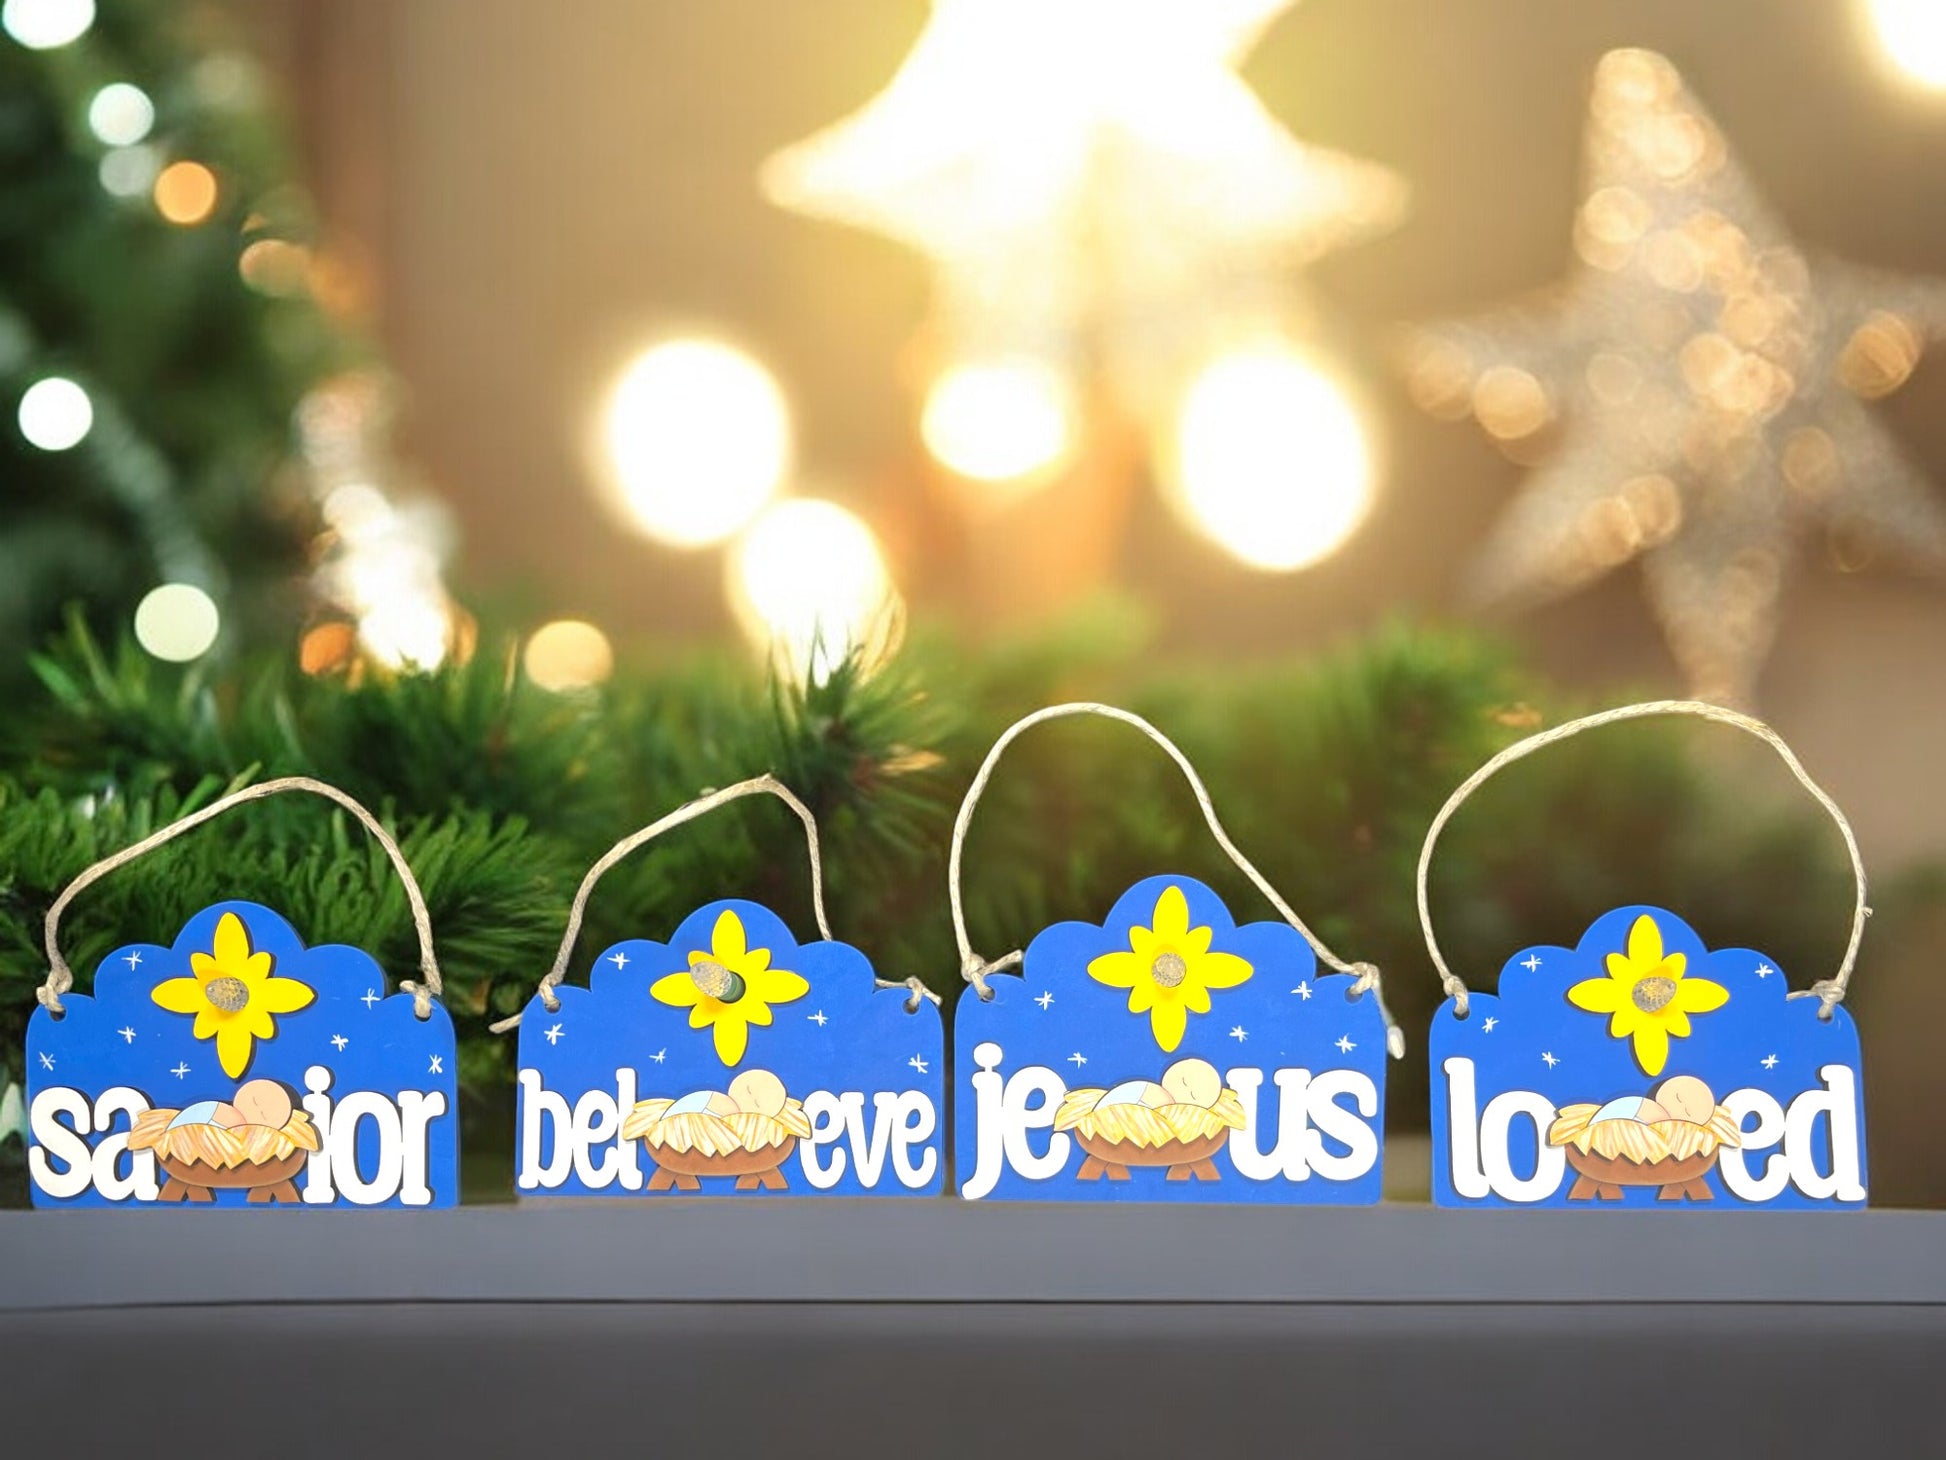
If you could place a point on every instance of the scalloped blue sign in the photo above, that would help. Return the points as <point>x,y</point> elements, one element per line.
<point>732,1059</point>
<point>1170,1055</point>
<point>1641,1068</point>
<point>240,1068</point>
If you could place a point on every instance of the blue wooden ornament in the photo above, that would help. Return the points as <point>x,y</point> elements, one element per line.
<point>1170,1055</point>
<point>238,1067</point>
<point>1640,1068</point>
<point>731,1059</point>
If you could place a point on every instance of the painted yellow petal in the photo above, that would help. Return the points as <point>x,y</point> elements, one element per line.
<point>231,945</point>
<point>1168,1021</point>
<point>179,995</point>
<point>704,1012</point>
<point>1196,997</point>
<point>282,995</point>
<point>1699,996</point>
<point>257,1023</point>
<point>1171,919</point>
<point>233,1043</point>
<point>1119,970</point>
<point>208,1021</point>
<point>732,1036</point>
<point>754,1011</point>
<point>778,985</point>
<point>1196,941</point>
<point>1141,942</point>
<point>1599,995</point>
<point>1651,1047</point>
<point>1675,1022</point>
<point>203,966</point>
<point>1222,970</point>
<point>1645,943</point>
<point>755,961</point>
<point>678,990</point>
<point>1673,965</point>
<point>1142,997</point>
<point>1624,1020</point>
<point>1621,970</point>
<point>726,941</point>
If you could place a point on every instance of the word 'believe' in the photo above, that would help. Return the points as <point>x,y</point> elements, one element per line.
<point>582,1140</point>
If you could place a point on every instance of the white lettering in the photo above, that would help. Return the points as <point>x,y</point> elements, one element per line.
<point>1549,1161</point>
<point>538,1104</point>
<point>343,1145</point>
<point>54,1142</point>
<point>1463,1131</point>
<point>1332,1119</point>
<point>1288,1158</point>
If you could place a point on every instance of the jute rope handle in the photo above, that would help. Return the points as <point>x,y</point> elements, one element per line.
<point>764,785</point>
<point>60,978</point>
<point>975,969</point>
<point>1829,992</point>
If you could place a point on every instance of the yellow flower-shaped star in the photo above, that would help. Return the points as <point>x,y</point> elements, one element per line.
<point>233,995</point>
<point>1168,969</point>
<point>729,988</point>
<point>1646,996</point>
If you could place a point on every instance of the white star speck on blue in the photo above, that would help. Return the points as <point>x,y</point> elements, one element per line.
<point>1078,1058</point>
<point>1238,1034</point>
<point>619,959</point>
<point>1046,998</point>
<point>918,1064</point>
<point>1548,1055</point>
<point>554,1034</point>
<point>1486,1024</point>
<point>1303,990</point>
<point>1770,1062</point>
<point>127,1034</point>
<point>180,1070</point>
<point>369,998</point>
<point>1764,970</point>
<point>438,1067</point>
<point>1346,1044</point>
<point>820,1019</point>
<point>134,960</point>
<point>47,1060</point>
<point>660,1055</point>
<point>1531,962</point>
<point>339,1041</point>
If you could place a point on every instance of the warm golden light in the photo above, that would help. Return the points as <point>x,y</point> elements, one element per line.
<point>275,266</point>
<point>568,654</point>
<point>1270,459</point>
<point>55,413</point>
<point>176,622</point>
<point>698,438</point>
<point>809,583</point>
<point>999,421</point>
<point>1913,33</point>
<point>409,631</point>
<point>185,193</point>
<point>43,25</point>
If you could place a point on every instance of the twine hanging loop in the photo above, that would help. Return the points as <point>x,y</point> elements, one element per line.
<point>975,969</point>
<point>1828,992</point>
<point>60,978</point>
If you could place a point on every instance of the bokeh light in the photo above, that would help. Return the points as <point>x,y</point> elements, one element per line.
<point>177,622</point>
<point>1270,460</point>
<point>55,414</point>
<point>999,421</point>
<point>698,438</point>
<point>568,654</point>
<point>185,193</point>
<point>42,25</point>
<point>406,630</point>
<point>120,114</point>
<point>1913,33</point>
<point>808,582</point>
<point>129,172</point>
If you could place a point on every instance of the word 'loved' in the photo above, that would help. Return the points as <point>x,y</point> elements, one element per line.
<point>1008,1109</point>
<point>1814,1142</point>
<point>81,1144</point>
<point>584,1140</point>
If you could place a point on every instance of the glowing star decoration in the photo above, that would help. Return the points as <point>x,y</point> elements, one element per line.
<point>729,987</point>
<point>1090,178</point>
<point>1169,968</point>
<point>1648,997</point>
<point>1534,1103</point>
<point>1694,396</point>
<point>127,1105</point>
<point>233,994</point>
<point>687,1084</point>
<point>1095,1074</point>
